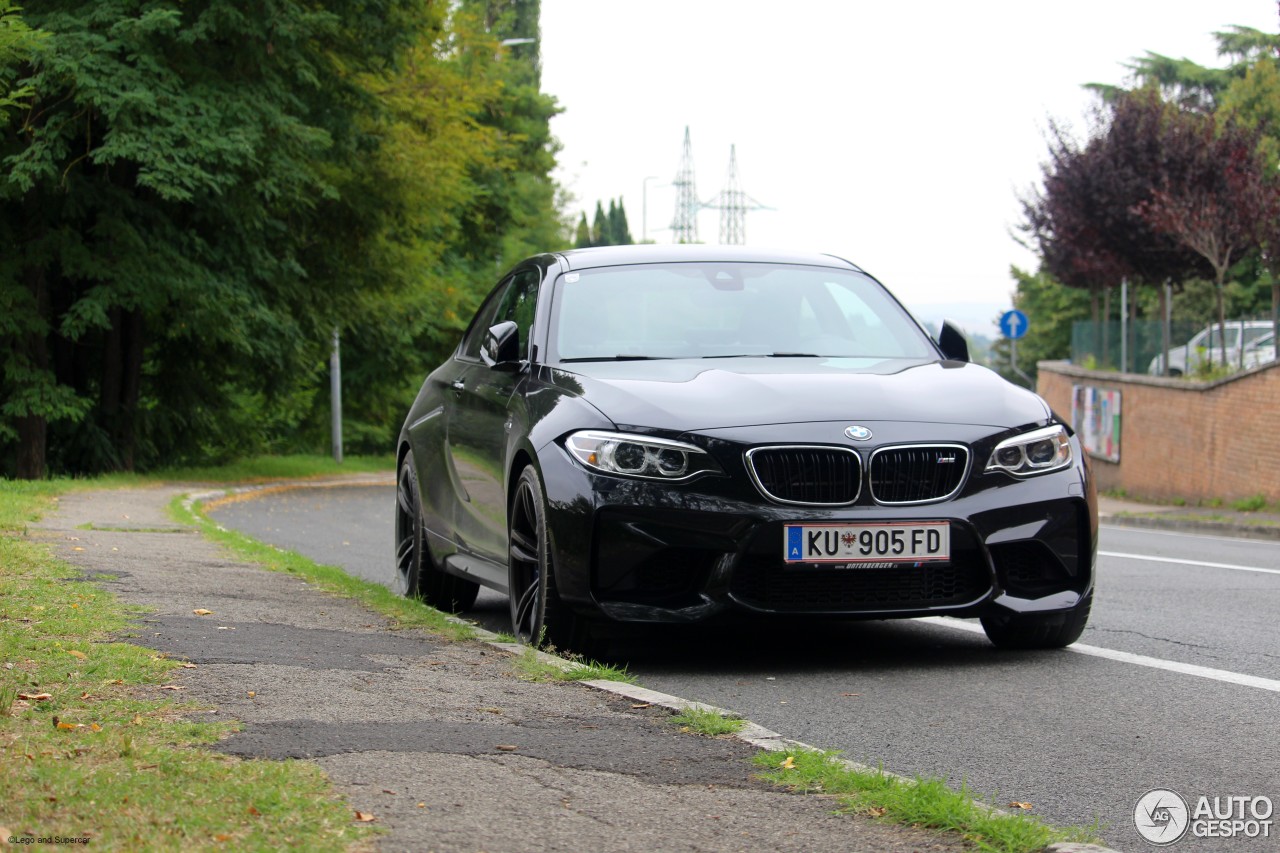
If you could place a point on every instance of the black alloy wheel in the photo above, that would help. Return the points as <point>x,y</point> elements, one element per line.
<point>1039,630</point>
<point>538,617</point>
<point>416,574</point>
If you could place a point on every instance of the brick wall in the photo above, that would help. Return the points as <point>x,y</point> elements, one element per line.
<point>1182,439</point>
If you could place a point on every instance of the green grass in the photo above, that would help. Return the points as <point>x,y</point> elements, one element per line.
<point>108,755</point>
<point>404,612</point>
<point>1255,503</point>
<point>257,469</point>
<point>706,722</point>
<point>529,666</point>
<point>928,803</point>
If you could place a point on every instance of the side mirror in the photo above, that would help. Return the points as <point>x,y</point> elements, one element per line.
<point>501,349</point>
<point>952,343</point>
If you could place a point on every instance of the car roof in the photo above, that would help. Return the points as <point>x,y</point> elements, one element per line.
<point>653,253</point>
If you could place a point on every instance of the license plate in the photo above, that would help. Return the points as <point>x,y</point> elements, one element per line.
<point>896,542</point>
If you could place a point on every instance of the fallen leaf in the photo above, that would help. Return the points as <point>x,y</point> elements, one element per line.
<point>789,764</point>
<point>171,687</point>
<point>222,836</point>
<point>850,694</point>
<point>35,697</point>
<point>388,791</point>
<point>640,705</point>
<point>77,548</point>
<point>85,696</point>
<point>507,747</point>
<point>1017,805</point>
<point>252,693</point>
<point>422,805</point>
<point>137,719</point>
<point>77,654</point>
<point>200,611</point>
<point>254,811</point>
<point>364,818</point>
<point>878,811</point>
<point>95,727</point>
<point>66,726</point>
<point>188,666</point>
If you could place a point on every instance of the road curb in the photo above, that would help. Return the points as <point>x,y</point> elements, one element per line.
<point>1189,525</point>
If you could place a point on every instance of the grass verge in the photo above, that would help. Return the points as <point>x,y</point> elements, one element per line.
<point>92,744</point>
<point>703,721</point>
<point>530,666</point>
<point>404,612</point>
<point>927,803</point>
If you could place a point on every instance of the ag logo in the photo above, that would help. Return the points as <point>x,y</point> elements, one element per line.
<point>1161,817</point>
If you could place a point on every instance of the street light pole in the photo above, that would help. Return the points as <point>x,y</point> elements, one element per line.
<point>644,207</point>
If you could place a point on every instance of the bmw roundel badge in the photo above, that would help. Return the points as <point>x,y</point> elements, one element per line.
<point>857,433</point>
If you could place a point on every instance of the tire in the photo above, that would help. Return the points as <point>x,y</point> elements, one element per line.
<point>538,616</point>
<point>416,573</point>
<point>1039,630</point>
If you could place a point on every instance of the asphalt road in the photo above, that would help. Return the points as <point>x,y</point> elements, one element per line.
<point>1175,683</point>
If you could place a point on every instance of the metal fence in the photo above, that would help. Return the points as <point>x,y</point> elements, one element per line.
<point>1138,347</point>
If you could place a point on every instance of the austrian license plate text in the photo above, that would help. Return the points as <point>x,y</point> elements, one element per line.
<point>871,543</point>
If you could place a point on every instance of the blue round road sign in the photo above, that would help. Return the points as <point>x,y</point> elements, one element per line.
<point>1013,324</point>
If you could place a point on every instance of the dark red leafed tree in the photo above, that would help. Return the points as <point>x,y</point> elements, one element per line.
<point>1219,201</point>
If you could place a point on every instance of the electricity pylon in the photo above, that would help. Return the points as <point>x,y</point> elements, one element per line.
<point>684,227</point>
<point>733,205</point>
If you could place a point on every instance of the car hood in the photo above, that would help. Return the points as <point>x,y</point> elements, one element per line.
<point>687,395</point>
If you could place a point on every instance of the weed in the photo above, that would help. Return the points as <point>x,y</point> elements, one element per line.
<point>922,802</point>
<point>531,666</point>
<point>704,721</point>
<point>1250,504</point>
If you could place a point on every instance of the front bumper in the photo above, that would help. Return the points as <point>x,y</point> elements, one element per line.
<point>642,551</point>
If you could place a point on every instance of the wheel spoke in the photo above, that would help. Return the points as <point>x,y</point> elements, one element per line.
<point>524,547</point>
<point>404,553</point>
<point>524,608</point>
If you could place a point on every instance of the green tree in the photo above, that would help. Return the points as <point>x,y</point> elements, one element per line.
<point>619,232</point>
<point>582,235</point>
<point>600,227</point>
<point>188,193</point>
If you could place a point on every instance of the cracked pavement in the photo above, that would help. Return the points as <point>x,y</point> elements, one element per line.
<point>418,731</point>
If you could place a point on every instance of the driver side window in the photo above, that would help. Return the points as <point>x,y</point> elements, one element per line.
<point>516,298</point>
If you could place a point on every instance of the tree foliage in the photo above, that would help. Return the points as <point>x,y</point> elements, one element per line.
<point>199,193</point>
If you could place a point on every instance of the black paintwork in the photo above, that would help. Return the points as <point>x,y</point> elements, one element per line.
<point>641,550</point>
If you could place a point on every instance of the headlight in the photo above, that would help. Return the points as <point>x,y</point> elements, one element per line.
<point>638,455</point>
<point>1031,453</point>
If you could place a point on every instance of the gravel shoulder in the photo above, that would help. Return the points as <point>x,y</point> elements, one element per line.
<point>439,741</point>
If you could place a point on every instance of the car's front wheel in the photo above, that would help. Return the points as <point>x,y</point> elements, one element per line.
<point>1039,630</point>
<point>538,616</point>
<point>416,574</point>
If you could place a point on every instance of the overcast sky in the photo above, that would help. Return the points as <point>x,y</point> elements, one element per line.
<point>896,134</point>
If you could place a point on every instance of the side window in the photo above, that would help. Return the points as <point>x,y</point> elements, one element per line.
<point>519,304</point>
<point>484,319</point>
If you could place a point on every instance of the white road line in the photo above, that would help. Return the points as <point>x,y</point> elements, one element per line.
<point>1156,531</point>
<point>1137,660</point>
<point>1184,562</point>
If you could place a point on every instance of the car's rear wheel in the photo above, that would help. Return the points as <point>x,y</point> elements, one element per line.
<point>1039,630</point>
<point>538,616</point>
<point>416,574</point>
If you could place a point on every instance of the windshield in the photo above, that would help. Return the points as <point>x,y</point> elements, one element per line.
<point>721,310</point>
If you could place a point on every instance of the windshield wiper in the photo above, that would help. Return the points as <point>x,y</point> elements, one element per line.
<point>620,357</point>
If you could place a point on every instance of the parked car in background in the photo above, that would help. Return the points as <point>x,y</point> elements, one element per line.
<point>678,434</point>
<point>1261,351</point>
<point>1205,347</point>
